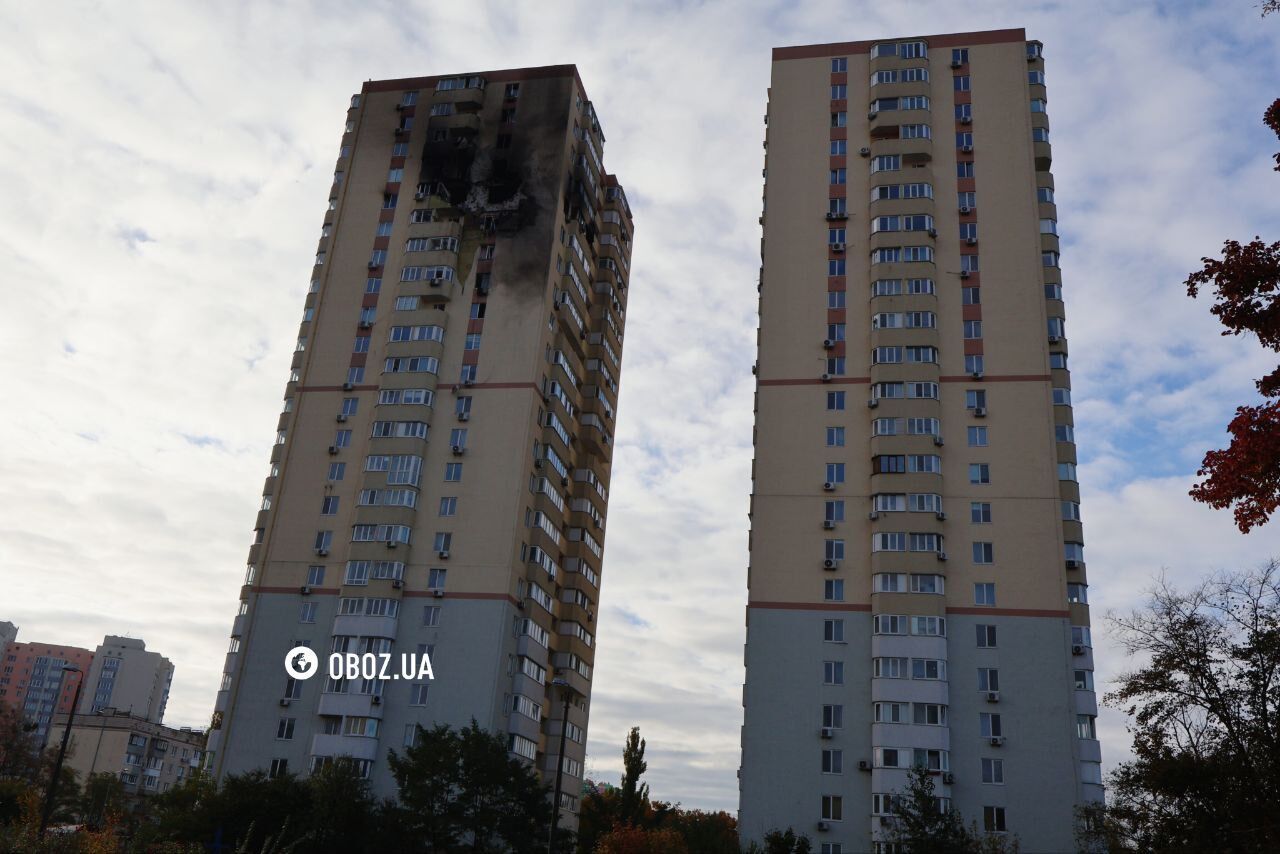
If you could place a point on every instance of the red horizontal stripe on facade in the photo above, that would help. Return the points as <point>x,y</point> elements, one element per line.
<point>816,381</point>
<point>853,606</point>
<point>336,388</point>
<point>998,378</point>
<point>407,594</point>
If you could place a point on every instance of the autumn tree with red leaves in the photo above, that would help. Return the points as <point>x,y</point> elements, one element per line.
<point>1246,288</point>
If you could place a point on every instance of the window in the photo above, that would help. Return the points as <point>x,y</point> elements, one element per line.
<point>993,819</point>
<point>977,436</point>
<point>279,767</point>
<point>512,90</point>
<point>1062,397</point>
<point>984,593</point>
<point>337,470</point>
<point>889,668</point>
<point>835,267</point>
<point>973,364</point>
<point>959,55</point>
<point>1049,259</point>
<point>1039,105</point>
<point>891,713</point>
<point>928,668</point>
<point>315,576</point>
<point>1070,511</point>
<point>839,147</point>
<point>889,624</point>
<point>284,730</point>
<point>972,330</point>
<point>833,631</point>
<point>832,762</point>
<point>980,513</point>
<point>838,175</point>
<point>1045,195</point>
<point>442,541</point>
<point>1083,680</point>
<point>835,473</point>
<point>835,299</point>
<point>329,505</point>
<point>928,714</point>
<point>839,65</point>
<point>832,808</point>
<point>1077,592</point>
<point>975,398</point>
<point>834,549</point>
<point>307,613</point>
<point>835,401</point>
<point>970,296</point>
<point>989,725</point>
<point>886,163</point>
<point>833,673</point>
<point>835,437</point>
<point>964,169</point>
<point>436,579</point>
<point>838,119</point>
<point>448,506</point>
<point>988,679</point>
<point>986,636</point>
<point>983,553</point>
<point>1080,635</point>
<point>960,82</point>
<point>833,590</point>
<point>452,472</point>
<point>324,539</point>
<point>1066,471</point>
<point>979,473</point>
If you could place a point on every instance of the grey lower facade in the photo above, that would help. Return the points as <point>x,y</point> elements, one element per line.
<point>781,781</point>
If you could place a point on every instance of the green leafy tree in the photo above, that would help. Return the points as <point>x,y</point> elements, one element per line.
<point>1205,719</point>
<point>461,790</point>
<point>102,796</point>
<point>783,842</point>
<point>343,810</point>
<point>921,824</point>
<point>635,795</point>
<point>19,751</point>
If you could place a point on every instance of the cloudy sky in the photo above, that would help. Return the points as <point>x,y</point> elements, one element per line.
<point>165,168</point>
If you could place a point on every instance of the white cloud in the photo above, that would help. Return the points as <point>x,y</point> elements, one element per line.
<point>166,166</point>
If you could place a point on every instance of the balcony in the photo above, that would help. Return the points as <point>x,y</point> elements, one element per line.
<point>355,746</point>
<point>365,625</point>
<point>350,705</point>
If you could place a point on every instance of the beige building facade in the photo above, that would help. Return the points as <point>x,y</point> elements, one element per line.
<point>918,593</point>
<point>149,758</point>
<point>126,677</point>
<point>440,479</point>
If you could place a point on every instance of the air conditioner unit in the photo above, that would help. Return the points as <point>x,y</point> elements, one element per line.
<point>997,740</point>
<point>419,196</point>
<point>400,106</point>
<point>993,696</point>
<point>828,344</point>
<point>873,515</point>
<point>284,701</point>
<point>827,732</point>
<point>348,386</point>
<point>837,247</point>
<point>373,265</point>
<point>967,149</point>
<point>942,516</point>
<point>979,412</point>
<point>397,583</point>
<point>1077,649</point>
<point>458,450</point>
<point>937,440</point>
<point>306,590</point>
<point>977,375</point>
<point>468,383</point>
<point>933,232</point>
<point>966,120</point>
<point>828,524</point>
<point>322,552</point>
<point>964,274</point>
<point>376,699</point>
<point>464,416</point>
<point>1054,339</point>
<point>1031,57</point>
<point>872,403</point>
<point>443,554</point>
<point>438,594</point>
<point>826,378</point>
<point>564,481</point>
<point>965,210</point>
<point>830,564</point>
<point>864,765</point>
<point>342,416</point>
<point>836,215</point>
<point>828,486</point>
<point>391,544</point>
<point>822,825</point>
<point>1073,564</point>
<point>366,324</point>
<point>942,556</point>
<point>971,241</point>
<point>871,115</point>
<point>865,152</point>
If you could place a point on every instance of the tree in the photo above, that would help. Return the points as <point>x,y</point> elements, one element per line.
<point>921,823</point>
<point>629,839</point>
<point>343,810</point>
<point>19,750</point>
<point>635,795</point>
<point>782,842</point>
<point>463,786</point>
<point>1246,286</point>
<point>1205,718</point>
<point>103,796</point>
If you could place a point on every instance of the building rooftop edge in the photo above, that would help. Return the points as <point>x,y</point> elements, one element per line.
<point>512,74</point>
<point>813,51</point>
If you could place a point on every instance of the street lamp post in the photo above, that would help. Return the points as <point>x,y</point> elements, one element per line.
<point>62,752</point>
<point>563,685</point>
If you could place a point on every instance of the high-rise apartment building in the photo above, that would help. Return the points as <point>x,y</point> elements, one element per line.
<point>33,682</point>
<point>127,678</point>
<point>440,475</point>
<point>917,581</point>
